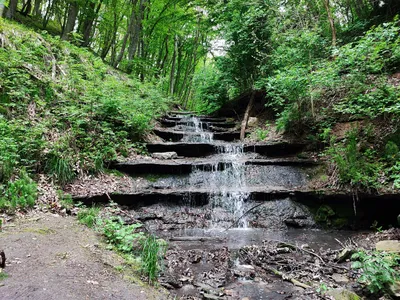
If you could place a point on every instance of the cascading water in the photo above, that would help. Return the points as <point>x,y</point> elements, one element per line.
<point>226,182</point>
<point>231,188</point>
<point>195,125</point>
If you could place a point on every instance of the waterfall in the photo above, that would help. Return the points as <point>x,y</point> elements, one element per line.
<point>226,181</point>
<point>197,133</point>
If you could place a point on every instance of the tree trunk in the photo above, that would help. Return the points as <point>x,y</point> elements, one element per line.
<point>246,116</point>
<point>27,8</point>
<point>88,23</point>
<point>12,9</point>
<point>72,14</point>
<point>36,8</point>
<point>172,74</point>
<point>331,22</point>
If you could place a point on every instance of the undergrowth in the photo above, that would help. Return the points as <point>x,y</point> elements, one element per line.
<point>379,270</point>
<point>128,240</point>
<point>19,193</point>
<point>63,111</point>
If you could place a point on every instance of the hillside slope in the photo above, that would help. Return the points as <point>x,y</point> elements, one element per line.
<point>63,111</point>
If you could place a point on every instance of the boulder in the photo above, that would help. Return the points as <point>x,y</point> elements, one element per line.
<point>342,294</point>
<point>252,122</point>
<point>388,246</point>
<point>165,155</point>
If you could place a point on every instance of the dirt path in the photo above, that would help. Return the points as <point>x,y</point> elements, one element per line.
<point>53,257</point>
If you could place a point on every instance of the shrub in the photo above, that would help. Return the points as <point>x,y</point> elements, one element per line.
<point>20,193</point>
<point>88,216</point>
<point>378,269</point>
<point>357,167</point>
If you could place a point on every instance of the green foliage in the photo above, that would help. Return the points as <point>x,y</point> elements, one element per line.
<point>356,166</point>
<point>74,120</point>
<point>211,92</point>
<point>66,200</point>
<point>19,193</point>
<point>378,269</point>
<point>122,237</point>
<point>127,239</point>
<point>152,255</point>
<point>263,133</point>
<point>88,216</point>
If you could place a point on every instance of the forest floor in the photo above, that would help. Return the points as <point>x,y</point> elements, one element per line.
<point>55,257</point>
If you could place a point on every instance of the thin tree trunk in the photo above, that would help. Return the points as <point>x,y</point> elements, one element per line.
<point>36,8</point>
<point>12,9</point>
<point>246,116</point>
<point>72,14</point>
<point>27,8</point>
<point>172,74</point>
<point>331,22</point>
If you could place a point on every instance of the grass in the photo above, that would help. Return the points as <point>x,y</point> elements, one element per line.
<point>151,255</point>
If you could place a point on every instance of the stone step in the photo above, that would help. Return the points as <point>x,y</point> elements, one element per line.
<point>186,166</point>
<point>176,136</point>
<point>181,112</point>
<point>278,149</point>
<point>383,208</point>
<point>196,197</point>
<point>202,119</point>
<point>206,125</point>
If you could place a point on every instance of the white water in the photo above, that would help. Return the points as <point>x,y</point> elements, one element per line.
<point>228,189</point>
<point>197,133</point>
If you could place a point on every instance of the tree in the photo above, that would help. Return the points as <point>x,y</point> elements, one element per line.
<point>12,9</point>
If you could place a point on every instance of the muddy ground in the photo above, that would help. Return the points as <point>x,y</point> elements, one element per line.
<point>55,257</point>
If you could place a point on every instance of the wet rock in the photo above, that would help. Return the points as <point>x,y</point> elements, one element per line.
<point>296,223</point>
<point>165,155</point>
<point>279,214</point>
<point>245,271</point>
<point>342,294</point>
<point>388,246</point>
<point>339,278</point>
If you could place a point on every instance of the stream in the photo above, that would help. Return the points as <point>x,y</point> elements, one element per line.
<point>215,210</point>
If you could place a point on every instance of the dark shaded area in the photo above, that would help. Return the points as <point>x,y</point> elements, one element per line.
<point>202,149</point>
<point>176,136</point>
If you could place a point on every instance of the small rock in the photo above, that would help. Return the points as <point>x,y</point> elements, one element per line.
<point>388,246</point>
<point>188,289</point>
<point>252,122</point>
<point>344,254</point>
<point>342,294</point>
<point>210,297</point>
<point>164,155</point>
<point>339,278</point>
